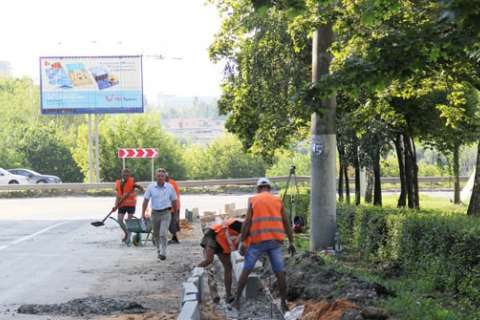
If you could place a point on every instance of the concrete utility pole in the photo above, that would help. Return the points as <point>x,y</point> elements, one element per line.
<point>324,147</point>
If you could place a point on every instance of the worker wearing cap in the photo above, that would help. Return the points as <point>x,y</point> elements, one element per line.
<point>174,227</point>
<point>126,199</point>
<point>221,239</point>
<point>265,228</point>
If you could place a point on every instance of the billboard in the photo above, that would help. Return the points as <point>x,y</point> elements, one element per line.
<point>102,84</point>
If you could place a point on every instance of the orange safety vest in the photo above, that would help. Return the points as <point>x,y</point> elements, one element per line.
<point>177,191</point>
<point>226,237</point>
<point>131,200</point>
<point>267,221</point>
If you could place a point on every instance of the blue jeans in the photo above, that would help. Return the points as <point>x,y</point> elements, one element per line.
<point>272,248</point>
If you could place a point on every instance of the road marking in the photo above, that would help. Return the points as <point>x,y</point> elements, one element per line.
<point>33,235</point>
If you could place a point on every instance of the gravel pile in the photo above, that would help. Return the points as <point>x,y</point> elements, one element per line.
<point>84,306</point>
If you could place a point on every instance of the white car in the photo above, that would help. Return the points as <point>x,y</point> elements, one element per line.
<point>8,178</point>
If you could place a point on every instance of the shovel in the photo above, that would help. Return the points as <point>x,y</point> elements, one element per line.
<point>101,223</point>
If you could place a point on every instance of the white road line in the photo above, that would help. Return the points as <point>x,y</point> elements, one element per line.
<point>33,235</point>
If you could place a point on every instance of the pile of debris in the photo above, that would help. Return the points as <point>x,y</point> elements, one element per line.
<point>326,294</point>
<point>84,306</point>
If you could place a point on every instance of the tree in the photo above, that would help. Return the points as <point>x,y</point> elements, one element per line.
<point>223,158</point>
<point>44,151</point>
<point>131,132</point>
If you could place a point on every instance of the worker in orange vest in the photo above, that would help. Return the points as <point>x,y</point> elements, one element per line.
<point>126,199</point>
<point>221,240</point>
<point>174,226</point>
<point>265,228</point>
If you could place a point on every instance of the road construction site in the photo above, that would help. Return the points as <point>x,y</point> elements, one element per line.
<point>55,265</point>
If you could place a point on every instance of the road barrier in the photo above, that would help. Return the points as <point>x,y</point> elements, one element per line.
<point>196,183</point>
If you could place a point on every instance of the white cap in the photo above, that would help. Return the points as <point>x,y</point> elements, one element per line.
<point>263,182</point>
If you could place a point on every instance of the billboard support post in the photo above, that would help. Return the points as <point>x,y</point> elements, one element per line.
<point>97,152</point>
<point>153,168</point>
<point>90,151</point>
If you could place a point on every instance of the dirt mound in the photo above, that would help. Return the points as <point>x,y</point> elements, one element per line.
<point>309,278</point>
<point>84,306</point>
<point>185,225</point>
<point>325,310</point>
<point>340,310</point>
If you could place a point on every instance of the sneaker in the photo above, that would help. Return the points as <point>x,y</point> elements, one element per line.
<point>161,257</point>
<point>229,299</point>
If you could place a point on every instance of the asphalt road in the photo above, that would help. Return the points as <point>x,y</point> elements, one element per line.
<point>49,252</point>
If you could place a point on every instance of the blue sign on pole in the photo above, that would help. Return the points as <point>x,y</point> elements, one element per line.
<point>97,84</point>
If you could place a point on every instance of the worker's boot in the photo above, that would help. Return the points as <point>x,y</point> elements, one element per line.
<point>174,240</point>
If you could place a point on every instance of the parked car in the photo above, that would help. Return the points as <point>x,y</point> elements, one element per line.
<point>9,178</point>
<point>35,177</point>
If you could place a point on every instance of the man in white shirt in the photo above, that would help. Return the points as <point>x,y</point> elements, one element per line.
<point>163,199</point>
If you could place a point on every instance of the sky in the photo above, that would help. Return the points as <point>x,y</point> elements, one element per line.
<point>172,28</point>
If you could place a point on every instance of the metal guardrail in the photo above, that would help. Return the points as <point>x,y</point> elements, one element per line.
<point>194,183</point>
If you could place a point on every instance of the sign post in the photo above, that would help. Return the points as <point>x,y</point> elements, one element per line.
<point>138,153</point>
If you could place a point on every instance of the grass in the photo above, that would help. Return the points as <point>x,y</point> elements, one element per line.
<point>428,203</point>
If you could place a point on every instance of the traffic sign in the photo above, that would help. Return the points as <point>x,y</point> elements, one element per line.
<point>137,153</point>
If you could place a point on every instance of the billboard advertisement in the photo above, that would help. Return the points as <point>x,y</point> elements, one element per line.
<point>102,84</point>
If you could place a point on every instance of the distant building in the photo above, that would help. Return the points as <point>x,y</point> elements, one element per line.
<point>196,130</point>
<point>5,69</point>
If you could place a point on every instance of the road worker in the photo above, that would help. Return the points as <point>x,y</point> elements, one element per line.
<point>174,227</point>
<point>220,239</point>
<point>126,199</point>
<point>265,228</point>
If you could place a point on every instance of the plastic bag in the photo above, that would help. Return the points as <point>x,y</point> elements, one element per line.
<point>295,313</point>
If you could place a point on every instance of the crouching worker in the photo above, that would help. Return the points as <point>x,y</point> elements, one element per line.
<point>221,240</point>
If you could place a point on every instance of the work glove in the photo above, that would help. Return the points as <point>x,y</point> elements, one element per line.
<point>291,250</point>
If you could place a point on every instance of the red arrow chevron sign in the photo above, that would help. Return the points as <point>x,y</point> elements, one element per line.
<point>139,153</point>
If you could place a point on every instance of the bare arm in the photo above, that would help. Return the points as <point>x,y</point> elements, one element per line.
<point>174,204</point>
<point>287,226</point>
<point>247,224</point>
<point>144,207</point>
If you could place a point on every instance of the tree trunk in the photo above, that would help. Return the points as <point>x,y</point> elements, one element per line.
<point>377,190</point>
<point>474,206</point>
<point>402,199</point>
<point>415,174</point>
<point>409,182</point>
<point>341,156</point>
<point>340,183</point>
<point>347,183</point>
<point>356,164</point>
<point>369,187</point>
<point>456,174</point>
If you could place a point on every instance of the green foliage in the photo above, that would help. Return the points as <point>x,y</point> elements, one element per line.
<point>131,132</point>
<point>429,244</point>
<point>223,158</point>
<point>284,159</point>
<point>44,151</point>
<point>30,141</point>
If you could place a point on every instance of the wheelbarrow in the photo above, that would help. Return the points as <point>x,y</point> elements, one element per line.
<point>135,227</point>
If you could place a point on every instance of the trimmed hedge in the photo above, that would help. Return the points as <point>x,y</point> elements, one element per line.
<point>445,248</point>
